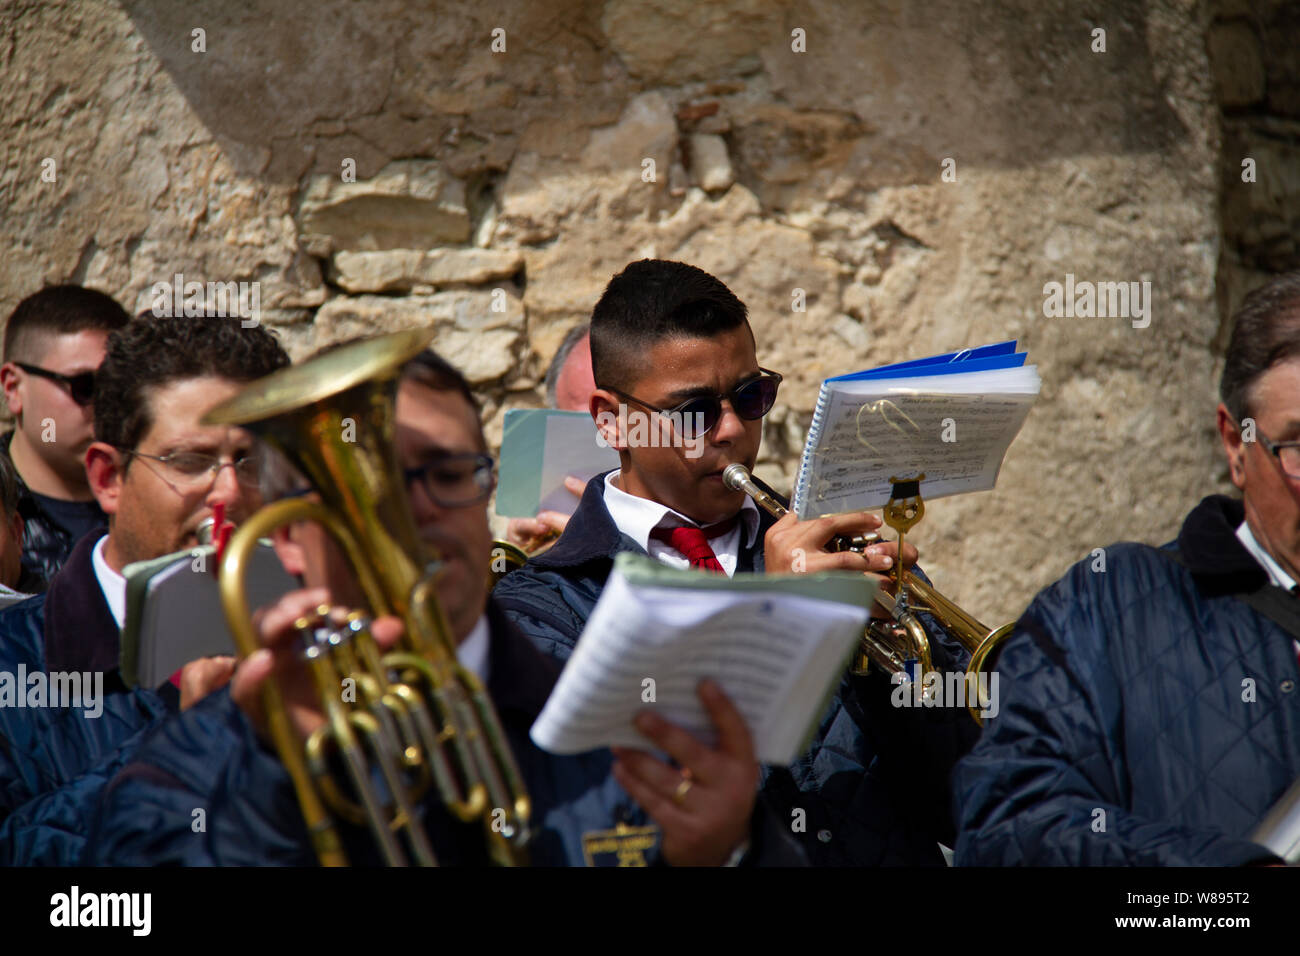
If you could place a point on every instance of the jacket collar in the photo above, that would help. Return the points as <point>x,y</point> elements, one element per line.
<point>27,504</point>
<point>80,633</point>
<point>589,535</point>
<point>1210,548</point>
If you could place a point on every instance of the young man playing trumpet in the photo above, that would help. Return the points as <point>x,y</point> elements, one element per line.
<point>215,758</point>
<point>668,338</point>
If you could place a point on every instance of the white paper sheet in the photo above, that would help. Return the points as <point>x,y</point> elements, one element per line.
<point>776,655</point>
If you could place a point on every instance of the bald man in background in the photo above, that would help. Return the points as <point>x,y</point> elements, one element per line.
<point>569,384</point>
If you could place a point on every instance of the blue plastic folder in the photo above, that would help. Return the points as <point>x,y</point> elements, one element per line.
<point>982,359</point>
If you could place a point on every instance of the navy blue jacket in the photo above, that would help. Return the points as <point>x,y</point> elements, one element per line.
<point>54,761</point>
<point>209,759</point>
<point>1150,712</point>
<point>873,785</point>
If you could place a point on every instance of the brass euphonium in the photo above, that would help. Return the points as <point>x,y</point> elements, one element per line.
<point>891,643</point>
<point>415,718</point>
<point>506,557</point>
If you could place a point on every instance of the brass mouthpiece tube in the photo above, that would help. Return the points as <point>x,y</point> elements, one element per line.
<point>738,478</point>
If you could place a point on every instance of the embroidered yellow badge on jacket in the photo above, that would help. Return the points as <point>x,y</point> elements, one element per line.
<point>621,846</point>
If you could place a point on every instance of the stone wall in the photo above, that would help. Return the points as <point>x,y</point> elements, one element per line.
<point>496,191</point>
<point>1252,47</point>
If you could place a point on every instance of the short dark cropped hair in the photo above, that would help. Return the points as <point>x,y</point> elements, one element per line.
<point>153,353</point>
<point>649,301</point>
<point>1266,332</point>
<point>571,339</point>
<point>58,310</point>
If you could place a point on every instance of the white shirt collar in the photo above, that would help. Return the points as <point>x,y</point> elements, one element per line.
<point>638,517</point>
<point>473,651</point>
<point>1276,573</point>
<point>110,582</point>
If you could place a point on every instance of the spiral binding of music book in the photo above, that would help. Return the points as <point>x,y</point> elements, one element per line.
<point>950,416</point>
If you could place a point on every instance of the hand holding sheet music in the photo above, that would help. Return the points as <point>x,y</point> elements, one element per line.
<point>776,644</point>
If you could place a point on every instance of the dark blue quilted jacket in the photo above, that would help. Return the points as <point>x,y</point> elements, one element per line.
<point>55,761</point>
<point>873,784</point>
<point>1150,713</point>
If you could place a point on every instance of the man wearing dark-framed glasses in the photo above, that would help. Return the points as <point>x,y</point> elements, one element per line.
<point>1150,705</point>
<point>158,474</point>
<point>54,341</point>
<point>680,395</point>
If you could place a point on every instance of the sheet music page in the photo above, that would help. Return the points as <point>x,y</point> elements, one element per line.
<point>954,429</point>
<point>776,654</point>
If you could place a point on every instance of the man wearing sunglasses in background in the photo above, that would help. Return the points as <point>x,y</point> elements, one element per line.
<point>54,341</point>
<point>668,339</point>
<point>158,474</point>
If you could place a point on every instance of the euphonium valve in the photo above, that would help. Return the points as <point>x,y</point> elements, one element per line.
<point>418,719</point>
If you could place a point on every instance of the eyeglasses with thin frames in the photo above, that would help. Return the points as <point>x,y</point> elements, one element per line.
<point>1287,454</point>
<point>193,468</point>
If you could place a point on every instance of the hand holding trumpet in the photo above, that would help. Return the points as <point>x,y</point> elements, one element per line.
<point>794,545</point>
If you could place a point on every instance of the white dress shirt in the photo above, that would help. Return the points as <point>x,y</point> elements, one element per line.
<point>638,517</point>
<point>473,651</point>
<point>1276,574</point>
<point>110,582</point>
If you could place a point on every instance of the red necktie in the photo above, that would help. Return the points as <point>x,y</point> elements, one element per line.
<point>693,542</point>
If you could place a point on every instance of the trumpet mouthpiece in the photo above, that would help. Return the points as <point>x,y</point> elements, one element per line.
<point>735,476</point>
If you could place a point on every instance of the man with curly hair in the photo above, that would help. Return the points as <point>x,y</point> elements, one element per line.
<point>158,474</point>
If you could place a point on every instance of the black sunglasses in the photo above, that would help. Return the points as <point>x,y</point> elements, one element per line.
<point>752,399</point>
<point>80,386</point>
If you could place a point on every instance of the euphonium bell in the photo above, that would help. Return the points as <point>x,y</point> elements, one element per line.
<point>417,718</point>
<point>893,644</point>
<point>506,557</point>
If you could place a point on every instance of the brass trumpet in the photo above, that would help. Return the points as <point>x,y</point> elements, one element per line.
<point>892,643</point>
<point>416,716</point>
